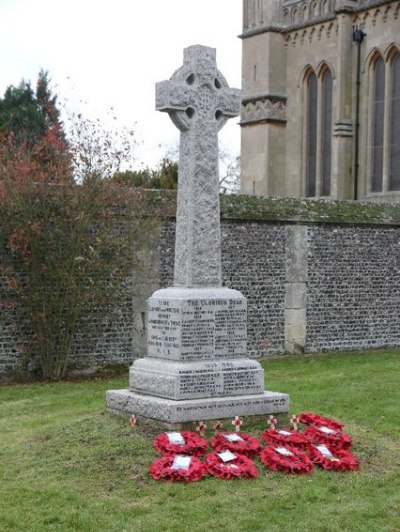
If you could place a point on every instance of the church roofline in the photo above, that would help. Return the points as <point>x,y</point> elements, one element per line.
<point>279,28</point>
<point>287,28</point>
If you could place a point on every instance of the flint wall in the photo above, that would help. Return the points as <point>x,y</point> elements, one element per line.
<point>318,276</point>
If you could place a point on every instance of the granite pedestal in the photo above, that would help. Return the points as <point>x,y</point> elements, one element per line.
<point>196,366</point>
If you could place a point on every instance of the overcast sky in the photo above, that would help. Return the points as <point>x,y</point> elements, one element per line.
<point>111,54</point>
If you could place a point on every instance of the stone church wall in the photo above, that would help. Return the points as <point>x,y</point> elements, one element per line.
<point>285,45</point>
<point>319,276</point>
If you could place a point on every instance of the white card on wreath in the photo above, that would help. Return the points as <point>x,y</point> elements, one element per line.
<point>283,451</point>
<point>175,438</point>
<point>181,462</point>
<point>227,456</point>
<point>327,430</point>
<point>323,449</point>
<point>233,437</point>
<point>284,433</point>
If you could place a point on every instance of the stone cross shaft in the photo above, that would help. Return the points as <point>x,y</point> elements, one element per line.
<point>199,102</point>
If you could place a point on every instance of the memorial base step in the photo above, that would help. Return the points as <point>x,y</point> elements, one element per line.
<point>196,380</point>
<point>126,403</point>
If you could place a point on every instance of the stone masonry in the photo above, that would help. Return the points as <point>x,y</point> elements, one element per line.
<point>344,271</point>
<point>287,43</point>
<point>196,365</point>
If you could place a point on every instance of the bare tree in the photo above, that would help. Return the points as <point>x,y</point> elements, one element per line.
<point>229,178</point>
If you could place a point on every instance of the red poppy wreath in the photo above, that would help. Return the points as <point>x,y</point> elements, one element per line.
<point>185,442</point>
<point>308,418</point>
<point>237,442</point>
<point>285,437</point>
<point>228,465</point>
<point>332,437</point>
<point>287,460</point>
<point>331,459</point>
<point>178,468</point>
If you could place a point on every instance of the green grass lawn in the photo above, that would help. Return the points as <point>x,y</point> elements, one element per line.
<point>67,464</point>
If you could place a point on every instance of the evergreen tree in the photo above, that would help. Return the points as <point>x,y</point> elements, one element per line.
<point>31,131</point>
<point>28,114</point>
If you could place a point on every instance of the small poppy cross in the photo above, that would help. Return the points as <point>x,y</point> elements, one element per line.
<point>132,420</point>
<point>294,421</point>
<point>272,422</point>
<point>201,427</point>
<point>218,426</point>
<point>237,422</point>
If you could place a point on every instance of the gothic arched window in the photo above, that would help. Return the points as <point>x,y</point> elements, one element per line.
<point>394,143</point>
<point>384,128</point>
<point>318,155</point>
<point>378,115</point>
<point>314,9</point>
<point>326,132</point>
<point>285,14</point>
<point>312,109</point>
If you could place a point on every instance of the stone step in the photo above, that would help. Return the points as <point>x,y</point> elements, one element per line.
<point>195,380</point>
<point>169,411</point>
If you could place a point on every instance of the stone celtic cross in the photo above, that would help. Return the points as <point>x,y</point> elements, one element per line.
<point>199,102</point>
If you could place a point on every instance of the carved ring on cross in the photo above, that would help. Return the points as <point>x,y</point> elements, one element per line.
<point>185,109</point>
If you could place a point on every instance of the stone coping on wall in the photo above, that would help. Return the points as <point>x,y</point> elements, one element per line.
<point>162,204</point>
<point>280,209</point>
<point>301,210</point>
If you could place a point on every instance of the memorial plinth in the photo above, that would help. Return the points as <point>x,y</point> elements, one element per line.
<point>196,365</point>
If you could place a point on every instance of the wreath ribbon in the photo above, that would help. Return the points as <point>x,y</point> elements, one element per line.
<point>340,460</point>
<point>291,438</point>
<point>336,439</point>
<point>240,467</point>
<point>293,462</point>
<point>194,445</point>
<point>308,418</point>
<point>247,445</point>
<point>162,469</point>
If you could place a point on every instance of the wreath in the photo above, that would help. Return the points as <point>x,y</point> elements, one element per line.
<point>238,467</point>
<point>237,442</point>
<point>331,459</point>
<point>308,418</point>
<point>285,437</point>
<point>166,468</point>
<point>287,460</point>
<point>192,444</point>
<point>336,439</point>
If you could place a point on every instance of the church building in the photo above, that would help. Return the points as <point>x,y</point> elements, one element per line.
<point>321,99</point>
